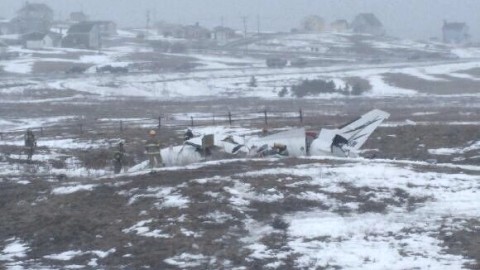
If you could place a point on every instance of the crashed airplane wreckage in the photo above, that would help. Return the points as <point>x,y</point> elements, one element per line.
<point>342,142</point>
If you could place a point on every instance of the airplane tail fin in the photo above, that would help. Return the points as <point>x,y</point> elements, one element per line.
<point>358,131</point>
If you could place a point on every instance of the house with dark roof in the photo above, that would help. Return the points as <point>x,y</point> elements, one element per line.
<point>339,26</point>
<point>33,17</point>
<point>455,33</point>
<point>78,16</point>
<point>223,34</point>
<point>106,28</point>
<point>367,23</point>
<point>85,35</point>
<point>196,32</point>
<point>170,30</point>
<point>37,40</point>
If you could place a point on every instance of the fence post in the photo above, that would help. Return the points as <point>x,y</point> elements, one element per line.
<point>230,118</point>
<point>266,117</point>
<point>191,120</point>
<point>301,115</point>
<point>159,121</point>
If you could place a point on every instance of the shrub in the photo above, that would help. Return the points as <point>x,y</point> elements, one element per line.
<point>283,92</point>
<point>253,82</point>
<point>357,89</point>
<point>313,88</point>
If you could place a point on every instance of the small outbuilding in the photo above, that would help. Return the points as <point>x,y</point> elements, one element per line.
<point>38,40</point>
<point>455,33</point>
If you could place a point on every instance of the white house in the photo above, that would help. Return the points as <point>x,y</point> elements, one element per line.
<point>37,40</point>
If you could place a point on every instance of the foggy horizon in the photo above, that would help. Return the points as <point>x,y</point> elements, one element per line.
<point>423,22</point>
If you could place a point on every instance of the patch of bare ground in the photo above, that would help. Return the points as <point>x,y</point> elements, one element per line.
<point>12,85</point>
<point>448,87</point>
<point>412,142</point>
<point>66,55</point>
<point>96,220</point>
<point>158,62</point>
<point>40,67</point>
<point>464,241</point>
<point>473,71</point>
<point>48,93</point>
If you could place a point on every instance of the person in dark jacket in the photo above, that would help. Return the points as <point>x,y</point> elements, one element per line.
<point>119,158</point>
<point>188,135</point>
<point>30,144</point>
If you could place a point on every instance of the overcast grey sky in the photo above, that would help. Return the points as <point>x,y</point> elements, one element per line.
<point>415,19</point>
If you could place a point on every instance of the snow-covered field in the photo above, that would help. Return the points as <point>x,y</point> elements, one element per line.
<point>227,75</point>
<point>414,206</point>
<point>311,213</point>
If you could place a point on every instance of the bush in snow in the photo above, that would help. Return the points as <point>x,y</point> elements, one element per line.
<point>253,82</point>
<point>313,88</point>
<point>318,86</point>
<point>283,92</point>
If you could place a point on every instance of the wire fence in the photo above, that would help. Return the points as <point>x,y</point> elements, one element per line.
<point>82,125</point>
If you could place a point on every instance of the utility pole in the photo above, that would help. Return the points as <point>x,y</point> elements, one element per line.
<point>244,19</point>
<point>258,24</point>
<point>147,25</point>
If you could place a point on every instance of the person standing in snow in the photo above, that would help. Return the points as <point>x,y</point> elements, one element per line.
<point>119,158</point>
<point>152,148</point>
<point>30,144</point>
<point>188,135</point>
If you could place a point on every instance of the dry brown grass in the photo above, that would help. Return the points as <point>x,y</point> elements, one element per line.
<point>450,86</point>
<point>55,67</point>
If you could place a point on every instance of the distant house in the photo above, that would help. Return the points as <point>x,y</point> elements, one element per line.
<point>455,33</point>
<point>61,27</point>
<point>339,26</point>
<point>367,23</point>
<point>106,28</point>
<point>192,32</point>
<point>85,35</point>
<point>6,27</point>
<point>170,30</point>
<point>38,40</point>
<point>196,32</point>
<point>78,16</point>
<point>313,24</point>
<point>33,17</point>
<point>223,34</point>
